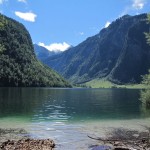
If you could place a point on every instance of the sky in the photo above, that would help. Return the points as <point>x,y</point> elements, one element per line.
<point>59,24</point>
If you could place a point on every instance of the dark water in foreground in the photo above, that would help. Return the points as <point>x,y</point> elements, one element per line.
<point>59,112</point>
<point>43,104</point>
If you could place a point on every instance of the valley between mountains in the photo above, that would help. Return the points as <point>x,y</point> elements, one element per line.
<point>118,54</point>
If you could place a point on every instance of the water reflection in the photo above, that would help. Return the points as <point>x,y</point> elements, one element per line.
<point>44,104</point>
<point>64,114</point>
<point>21,101</point>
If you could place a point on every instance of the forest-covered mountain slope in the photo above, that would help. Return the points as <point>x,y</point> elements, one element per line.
<point>18,63</point>
<point>118,53</point>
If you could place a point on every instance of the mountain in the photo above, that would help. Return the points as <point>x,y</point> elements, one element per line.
<point>18,63</point>
<point>118,53</point>
<point>42,53</point>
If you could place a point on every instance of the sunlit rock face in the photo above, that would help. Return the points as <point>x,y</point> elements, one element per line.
<point>119,53</point>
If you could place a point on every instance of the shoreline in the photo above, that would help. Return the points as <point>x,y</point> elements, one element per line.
<point>19,138</point>
<point>116,138</point>
<point>75,135</point>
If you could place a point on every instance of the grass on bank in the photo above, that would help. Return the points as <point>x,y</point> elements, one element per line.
<point>103,83</point>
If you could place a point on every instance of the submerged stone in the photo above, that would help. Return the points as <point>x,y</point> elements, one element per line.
<point>102,147</point>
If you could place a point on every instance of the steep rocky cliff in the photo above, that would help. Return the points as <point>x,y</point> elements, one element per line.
<point>119,53</point>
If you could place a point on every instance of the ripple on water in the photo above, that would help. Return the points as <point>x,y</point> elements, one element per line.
<point>68,115</point>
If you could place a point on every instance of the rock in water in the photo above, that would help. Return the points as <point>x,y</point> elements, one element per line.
<point>28,144</point>
<point>102,147</point>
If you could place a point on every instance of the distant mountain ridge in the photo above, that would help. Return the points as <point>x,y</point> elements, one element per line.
<point>42,53</point>
<point>19,66</point>
<point>118,53</point>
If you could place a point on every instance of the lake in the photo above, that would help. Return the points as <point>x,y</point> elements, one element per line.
<point>69,115</point>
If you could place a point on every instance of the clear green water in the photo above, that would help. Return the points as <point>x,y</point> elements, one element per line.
<point>64,113</point>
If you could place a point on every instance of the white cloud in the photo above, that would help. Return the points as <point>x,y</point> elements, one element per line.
<point>138,4</point>
<point>135,6</point>
<point>2,1</point>
<point>24,1</point>
<point>81,33</point>
<point>107,24</point>
<point>56,47</point>
<point>27,16</point>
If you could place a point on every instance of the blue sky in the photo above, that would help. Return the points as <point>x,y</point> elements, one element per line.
<point>57,24</point>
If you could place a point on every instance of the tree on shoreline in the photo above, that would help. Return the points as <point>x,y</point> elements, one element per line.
<point>145,95</point>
